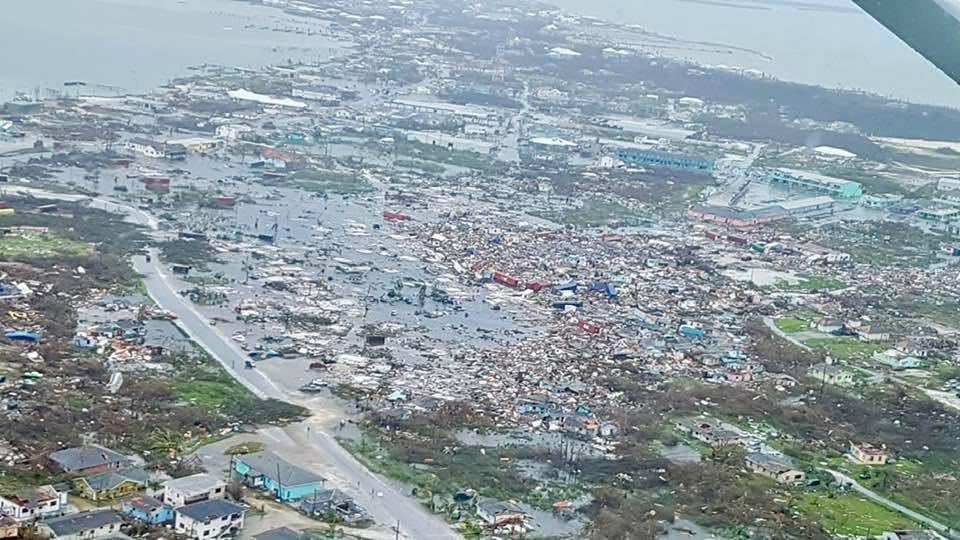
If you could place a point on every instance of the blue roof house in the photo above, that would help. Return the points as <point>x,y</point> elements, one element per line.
<point>147,509</point>
<point>270,472</point>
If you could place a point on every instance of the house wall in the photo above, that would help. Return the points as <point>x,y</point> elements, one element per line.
<point>868,458</point>
<point>126,488</point>
<point>177,499</point>
<point>156,517</point>
<point>291,493</point>
<point>10,531</point>
<point>54,507</point>
<point>205,530</point>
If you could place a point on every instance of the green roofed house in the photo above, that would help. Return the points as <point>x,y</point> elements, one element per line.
<point>269,471</point>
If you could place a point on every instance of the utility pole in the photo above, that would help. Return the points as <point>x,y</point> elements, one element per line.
<point>397,537</point>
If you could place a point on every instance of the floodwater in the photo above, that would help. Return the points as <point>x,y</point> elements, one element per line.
<point>326,236</point>
<point>133,46</point>
<point>828,43</point>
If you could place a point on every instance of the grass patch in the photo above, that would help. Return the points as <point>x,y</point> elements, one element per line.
<point>417,165</point>
<point>851,514</point>
<point>791,325</point>
<point>490,473</point>
<point>36,244</point>
<point>680,200</point>
<point>195,253</point>
<point>208,387</point>
<point>881,243</point>
<point>441,154</point>
<point>593,214</point>
<point>810,283</point>
<point>846,348</point>
<point>245,448</point>
<point>317,181</point>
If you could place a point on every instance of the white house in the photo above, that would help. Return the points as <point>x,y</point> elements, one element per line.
<point>191,489</point>
<point>156,150</point>
<point>209,519</point>
<point>232,132</point>
<point>33,503</point>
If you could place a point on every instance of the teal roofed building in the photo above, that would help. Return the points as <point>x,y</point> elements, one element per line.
<point>838,187</point>
<point>268,471</point>
<point>654,159</point>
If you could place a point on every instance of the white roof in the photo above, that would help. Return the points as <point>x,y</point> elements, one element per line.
<point>794,204</point>
<point>193,484</point>
<point>815,177</point>
<point>552,141</point>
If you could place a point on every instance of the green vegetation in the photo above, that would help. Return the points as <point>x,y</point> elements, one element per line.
<point>245,448</point>
<point>809,282</point>
<point>593,213</point>
<point>425,166</point>
<point>882,243</point>
<point>441,154</point>
<point>39,244</point>
<point>208,387</point>
<point>930,305</point>
<point>206,280</point>
<point>681,199</point>
<point>490,473</point>
<point>846,348</point>
<point>850,514</point>
<point>195,253</point>
<point>792,325</point>
<point>339,183</point>
<point>109,233</point>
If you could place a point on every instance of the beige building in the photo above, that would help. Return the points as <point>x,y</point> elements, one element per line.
<point>868,454</point>
<point>780,468</point>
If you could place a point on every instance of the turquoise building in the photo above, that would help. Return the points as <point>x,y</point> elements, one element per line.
<point>268,471</point>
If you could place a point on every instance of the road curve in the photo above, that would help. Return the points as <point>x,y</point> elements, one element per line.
<point>845,480</point>
<point>384,502</point>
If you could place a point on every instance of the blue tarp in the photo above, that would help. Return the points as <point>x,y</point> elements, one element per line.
<point>604,287</point>
<point>568,286</point>
<point>22,336</point>
<point>691,331</point>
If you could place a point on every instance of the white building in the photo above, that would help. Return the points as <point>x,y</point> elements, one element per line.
<point>192,489</point>
<point>209,519</point>
<point>156,150</point>
<point>232,132</point>
<point>949,184</point>
<point>33,503</point>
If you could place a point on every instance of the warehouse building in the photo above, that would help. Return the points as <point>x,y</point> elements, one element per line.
<point>815,182</point>
<point>940,215</point>
<point>653,159</point>
<point>735,217</point>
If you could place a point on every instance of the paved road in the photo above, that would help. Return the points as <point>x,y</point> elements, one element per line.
<point>876,497</point>
<point>384,502</point>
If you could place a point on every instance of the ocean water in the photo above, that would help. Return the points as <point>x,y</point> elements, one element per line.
<point>136,45</point>
<point>830,43</point>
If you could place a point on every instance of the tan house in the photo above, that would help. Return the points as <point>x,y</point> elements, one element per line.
<point>780,468</point>
<point>831,374</point>
<point>111,485</point>
<point>868,454</point>
<point>9,528</point>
